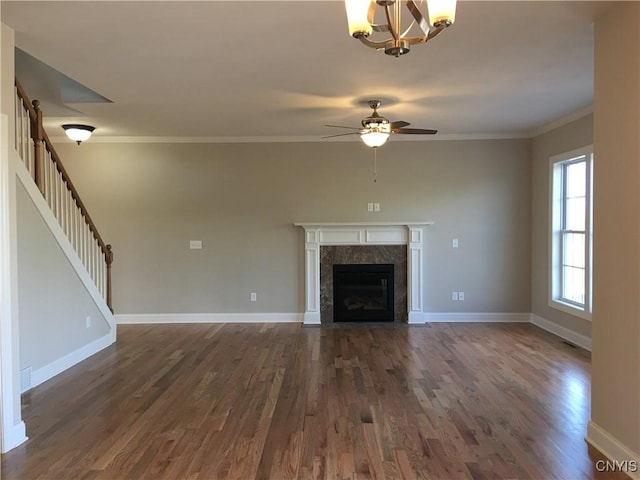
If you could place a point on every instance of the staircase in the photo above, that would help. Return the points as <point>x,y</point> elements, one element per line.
<point>45,168</point>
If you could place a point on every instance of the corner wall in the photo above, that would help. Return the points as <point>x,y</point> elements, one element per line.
<point>615,393</point>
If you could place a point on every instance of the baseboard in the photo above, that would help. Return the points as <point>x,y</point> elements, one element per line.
<point>13,436</point>
<point>610,447</point>
<point>476,317</point>
<point>562,332</point>
<point>311,318</point>
<point>209,318</point>
<point>58,366</point>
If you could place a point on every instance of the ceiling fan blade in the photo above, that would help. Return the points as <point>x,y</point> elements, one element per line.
<point>341,135</point>
<point>342,126</point>
<point>414,131</point>
<point>399,124</point>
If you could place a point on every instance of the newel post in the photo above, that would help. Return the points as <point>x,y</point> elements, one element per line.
<point>109,260</point>
<point>36,129</point>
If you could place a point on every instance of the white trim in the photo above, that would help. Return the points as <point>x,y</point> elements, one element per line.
<point>476,317</point>
<point>13,429</point>
<point>583,112</point>
<point>360,224</point>
<point>58,366</point>
<point>611,448</point>
<point>562,332</point>
<point>13,436</point>
<point>570,309</point>
<point>416,318</point>
<point>141,318</point>
<point>554,212</point>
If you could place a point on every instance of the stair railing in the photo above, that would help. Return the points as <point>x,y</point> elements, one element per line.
<point>43,163</point>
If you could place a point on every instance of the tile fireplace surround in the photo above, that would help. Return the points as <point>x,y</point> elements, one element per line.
<point>410,234</point>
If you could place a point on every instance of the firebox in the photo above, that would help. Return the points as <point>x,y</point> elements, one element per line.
<point>363,293</point>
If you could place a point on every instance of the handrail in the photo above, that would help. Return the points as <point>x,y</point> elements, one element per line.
<point>41,139</point>
<point>74,192</point>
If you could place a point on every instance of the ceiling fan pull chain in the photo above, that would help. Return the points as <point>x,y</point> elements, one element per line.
<point>375,165</point>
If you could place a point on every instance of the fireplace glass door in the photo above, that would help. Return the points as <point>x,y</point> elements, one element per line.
<point>363,293</point>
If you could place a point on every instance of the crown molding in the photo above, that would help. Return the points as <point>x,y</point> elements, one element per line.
<point>560,122</point>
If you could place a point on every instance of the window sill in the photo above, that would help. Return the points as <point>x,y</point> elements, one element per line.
<point>570,309</point>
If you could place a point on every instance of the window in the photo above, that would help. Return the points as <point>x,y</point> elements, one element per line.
<point>571,237</point>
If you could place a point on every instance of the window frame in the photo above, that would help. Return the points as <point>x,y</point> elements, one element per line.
<point>557,182</point>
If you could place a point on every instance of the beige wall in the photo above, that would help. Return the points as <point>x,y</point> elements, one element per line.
<point>616,316</point>
<point>576,134</point>
<point>241,200</point>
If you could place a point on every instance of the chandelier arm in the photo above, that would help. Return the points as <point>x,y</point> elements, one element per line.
<point>417,14</point>
<point>371,13</point>
<point>379,27</point>
<point>436,31</point>
<point>372,44</point>
<point>414,40</point>
<point>392,29</point>
<point>426,38</point>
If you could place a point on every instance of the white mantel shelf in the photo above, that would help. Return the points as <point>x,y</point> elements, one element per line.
<point>364,233</point>
<point>360,224</point>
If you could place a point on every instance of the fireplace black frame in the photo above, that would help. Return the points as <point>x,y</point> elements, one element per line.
<point>350,272</point>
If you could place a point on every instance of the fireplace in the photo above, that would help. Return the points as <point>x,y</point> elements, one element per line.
<point>409,235</point>
<point>363,293</point>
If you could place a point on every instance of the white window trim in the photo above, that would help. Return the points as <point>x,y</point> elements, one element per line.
<point>555,191</point>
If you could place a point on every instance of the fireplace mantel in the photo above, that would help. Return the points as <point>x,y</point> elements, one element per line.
<point>364,233</point>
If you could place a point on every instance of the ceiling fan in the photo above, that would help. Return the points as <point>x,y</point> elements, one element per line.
<point>376,129</point>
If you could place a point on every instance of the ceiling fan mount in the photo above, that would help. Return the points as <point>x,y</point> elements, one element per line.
<point>376,129</point>
<point>375,119</point>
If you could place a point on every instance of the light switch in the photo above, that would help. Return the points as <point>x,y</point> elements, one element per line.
<point>454,243</point>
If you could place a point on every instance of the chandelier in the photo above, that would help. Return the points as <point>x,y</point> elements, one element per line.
<point>399,37</point>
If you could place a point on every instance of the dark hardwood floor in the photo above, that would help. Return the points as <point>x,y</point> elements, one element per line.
<point>279,401</point>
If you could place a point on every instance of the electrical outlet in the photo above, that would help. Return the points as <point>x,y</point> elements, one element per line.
<point>195,244</point>
<point>376,207</point>
<point>461,296</point>
<point>370,207</point>
<point>254,297</point>
<point>454,243</point>
<point>454,296</point>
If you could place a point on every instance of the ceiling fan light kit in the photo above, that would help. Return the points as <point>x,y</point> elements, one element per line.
<point>361,16</point>
<point>374,139</point>
<point>77,132</point>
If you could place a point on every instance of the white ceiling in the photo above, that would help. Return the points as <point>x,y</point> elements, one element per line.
<point>249,70</point>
